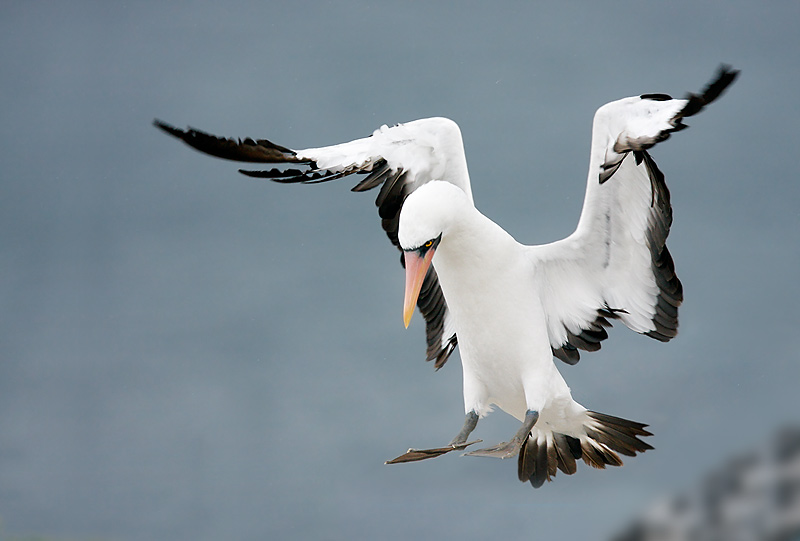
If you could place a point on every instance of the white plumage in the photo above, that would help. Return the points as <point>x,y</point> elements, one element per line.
<point>509,307</point>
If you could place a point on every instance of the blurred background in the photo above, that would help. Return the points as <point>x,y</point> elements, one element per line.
<point>186,353</point>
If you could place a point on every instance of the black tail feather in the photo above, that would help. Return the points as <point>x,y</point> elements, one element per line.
<point>541,457</point>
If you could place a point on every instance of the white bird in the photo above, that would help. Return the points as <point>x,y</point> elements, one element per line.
<point>512,308</point>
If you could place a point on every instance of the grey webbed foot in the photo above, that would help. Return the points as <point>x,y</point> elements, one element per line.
<point>459,443</point>
<point>511,448</point>
<point>414,455</point>
<point>501,450</point>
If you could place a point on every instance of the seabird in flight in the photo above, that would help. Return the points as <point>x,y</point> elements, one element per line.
<point>512,308</point>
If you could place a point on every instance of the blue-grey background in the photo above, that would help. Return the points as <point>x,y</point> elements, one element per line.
<point>186,353</point>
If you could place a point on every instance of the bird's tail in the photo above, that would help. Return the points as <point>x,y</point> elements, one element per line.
<point>601,438</point>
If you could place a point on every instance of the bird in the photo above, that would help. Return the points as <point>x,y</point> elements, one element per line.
<point>513,309</point>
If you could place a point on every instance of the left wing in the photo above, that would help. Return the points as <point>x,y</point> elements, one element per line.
<point>616,264</point>
<point>398,159</point>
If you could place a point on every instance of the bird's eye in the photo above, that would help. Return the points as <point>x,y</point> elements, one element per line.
<point>429,244</point>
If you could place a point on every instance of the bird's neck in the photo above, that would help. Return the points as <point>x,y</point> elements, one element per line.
<point>473,251</point>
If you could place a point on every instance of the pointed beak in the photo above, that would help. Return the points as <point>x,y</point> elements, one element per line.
<point>416,269</point>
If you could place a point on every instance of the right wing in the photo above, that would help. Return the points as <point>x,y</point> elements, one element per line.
<point>616,264</point>
<point>398,159</point>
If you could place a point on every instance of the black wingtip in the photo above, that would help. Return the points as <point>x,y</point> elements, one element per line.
<point>725,76</point>
<point>240,150</point>
<point>172,130</point>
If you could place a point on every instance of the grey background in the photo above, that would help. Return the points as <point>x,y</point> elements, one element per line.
<point>189,354</point>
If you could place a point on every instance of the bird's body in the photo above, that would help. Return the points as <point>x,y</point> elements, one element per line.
<point>512,308</point>
<point>493,287</point>
<point>488,281</point>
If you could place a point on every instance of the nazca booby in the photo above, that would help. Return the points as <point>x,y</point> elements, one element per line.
<point>511,308</point>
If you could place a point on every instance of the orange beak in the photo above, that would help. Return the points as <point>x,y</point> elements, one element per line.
<point>416,270</point>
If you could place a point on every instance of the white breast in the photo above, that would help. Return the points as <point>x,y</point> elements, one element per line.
<point>487,280</point>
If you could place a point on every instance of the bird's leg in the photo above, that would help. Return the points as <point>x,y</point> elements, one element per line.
<point>470,422</point>
<point>511,448</point>
<point>458,443</point>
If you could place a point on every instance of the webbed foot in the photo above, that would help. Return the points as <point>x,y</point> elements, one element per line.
<point>414,455</point>
<point>513,447</point>
<point>501,450</point>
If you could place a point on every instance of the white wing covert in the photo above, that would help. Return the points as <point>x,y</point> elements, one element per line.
<point>399,159</point>
<point>616,264</point>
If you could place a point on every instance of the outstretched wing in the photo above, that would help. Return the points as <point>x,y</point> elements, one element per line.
<point>398,159</point>
<point>616,264</point>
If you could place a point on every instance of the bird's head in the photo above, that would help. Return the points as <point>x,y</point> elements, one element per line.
<point>426,218</point>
